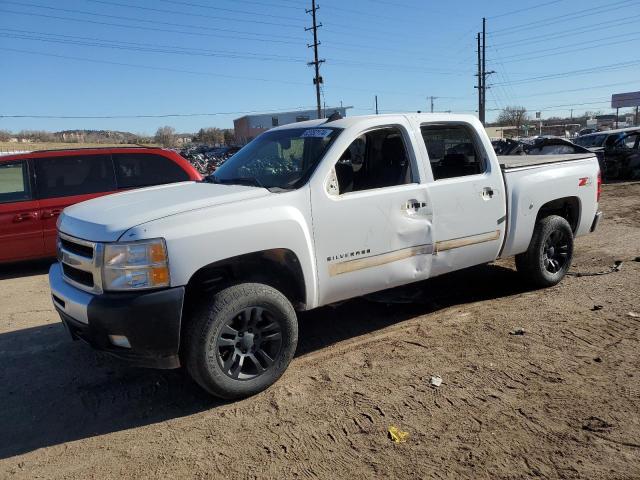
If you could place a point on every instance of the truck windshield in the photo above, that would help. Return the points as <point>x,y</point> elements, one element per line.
<point>279,159</point>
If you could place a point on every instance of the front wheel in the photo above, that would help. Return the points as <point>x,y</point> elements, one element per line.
<point>550,252</point>
<point>241,341</point>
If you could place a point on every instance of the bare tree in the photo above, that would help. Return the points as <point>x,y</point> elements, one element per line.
<point>229,136</point>
<point>513,116</point>
<point>166,136</point>
<point>5,135</point>
<point>210,136</point>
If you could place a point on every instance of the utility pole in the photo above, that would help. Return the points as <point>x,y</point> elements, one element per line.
<point>376,104</point>
<point>317,80</point>
<point>482,72</point>
<point>432,99</point>
<point>484,69</point>
<point>479,87</point>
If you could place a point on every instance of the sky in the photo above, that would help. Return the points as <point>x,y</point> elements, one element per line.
<point>225,58</point>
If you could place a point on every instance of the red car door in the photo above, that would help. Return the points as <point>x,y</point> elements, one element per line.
<point>21,234</point>
<point>64,180</point>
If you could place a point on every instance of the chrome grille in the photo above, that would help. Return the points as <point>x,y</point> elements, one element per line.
<point>81,262</point>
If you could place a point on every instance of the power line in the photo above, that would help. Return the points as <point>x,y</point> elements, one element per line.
<point>160,10</point>
<point>584,71</point>
<point>162,30</point>
<point>141,47</point>
<point>569,33</point>
<point>271,5</point>
<point>193,72</point>
<point>350,28</point>
<point>222,9</point>
<point>581,89</point>
<point>513,12</point>
<point>151,67</point>
<point>516,29</point>
<point>177,50</point>
<point>164,115</point>
<point>194,32</point>
<point>564,49</point>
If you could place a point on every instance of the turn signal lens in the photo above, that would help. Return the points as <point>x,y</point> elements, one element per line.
<point>599,191</point>
<point>157,253</point>
<point>160,276</point>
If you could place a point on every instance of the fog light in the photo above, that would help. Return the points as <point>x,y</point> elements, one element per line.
<point>120,341</point>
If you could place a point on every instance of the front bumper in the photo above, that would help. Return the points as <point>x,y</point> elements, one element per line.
<point>149,320</point>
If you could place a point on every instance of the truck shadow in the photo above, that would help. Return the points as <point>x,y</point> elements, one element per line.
<point>326,326</point>
<point>25,269</point>
<point>55,391</point>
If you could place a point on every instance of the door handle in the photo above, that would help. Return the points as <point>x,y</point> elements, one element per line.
<point>413,205</point>
<point>21,217</point>
<point>487,192</point>
<point>51,213</point>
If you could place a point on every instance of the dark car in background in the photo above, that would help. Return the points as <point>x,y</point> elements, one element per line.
<point>553,146</point>
<point>618,150</point>
<point>537,146</point>
<point>35,188</point>
<point>508,146</point>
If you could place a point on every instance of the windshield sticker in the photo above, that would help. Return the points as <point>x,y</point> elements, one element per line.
<point>316,133</point>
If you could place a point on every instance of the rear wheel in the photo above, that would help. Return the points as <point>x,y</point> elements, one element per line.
<point>241,341</point>
<point>550,252</point>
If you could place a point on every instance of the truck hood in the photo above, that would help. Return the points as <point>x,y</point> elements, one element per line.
<point>105,219</point>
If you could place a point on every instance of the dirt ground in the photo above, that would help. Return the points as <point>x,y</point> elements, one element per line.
<point>560,401</point>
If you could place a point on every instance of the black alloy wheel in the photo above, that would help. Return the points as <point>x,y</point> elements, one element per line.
<point>249,343</point>
<point>556,251</point>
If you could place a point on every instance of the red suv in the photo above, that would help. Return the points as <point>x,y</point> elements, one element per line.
<point>35,187</point>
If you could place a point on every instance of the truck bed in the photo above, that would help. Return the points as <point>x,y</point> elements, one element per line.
<point>509,162</point>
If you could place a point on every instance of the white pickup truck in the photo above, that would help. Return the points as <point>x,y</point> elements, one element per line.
<point>210,274</point>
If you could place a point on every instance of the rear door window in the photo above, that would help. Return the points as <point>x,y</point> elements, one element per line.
<point>142,169</point>
<point>14,182</point>
<point>452,151</point>
<point>74,175</point>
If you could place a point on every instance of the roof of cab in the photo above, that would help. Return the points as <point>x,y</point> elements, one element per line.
<point>350,121</point>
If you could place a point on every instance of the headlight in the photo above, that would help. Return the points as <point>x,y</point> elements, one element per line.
<point>135,265</point>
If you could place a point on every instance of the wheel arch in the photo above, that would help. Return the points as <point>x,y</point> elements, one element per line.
<point>279,268</point>
<point>568,208</point>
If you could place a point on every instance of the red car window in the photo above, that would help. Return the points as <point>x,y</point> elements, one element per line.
<point>14,182</point>
<point>74,175</point>
<point>142,169</point>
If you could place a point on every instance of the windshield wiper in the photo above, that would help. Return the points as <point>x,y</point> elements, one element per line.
<point>250,181</point>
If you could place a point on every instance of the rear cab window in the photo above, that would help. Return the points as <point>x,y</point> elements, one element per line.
<point>65,176</point>
<point>143,169</point>
<point>15,185</point>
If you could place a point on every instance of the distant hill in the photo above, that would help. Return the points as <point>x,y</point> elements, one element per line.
<point>99,136</point>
